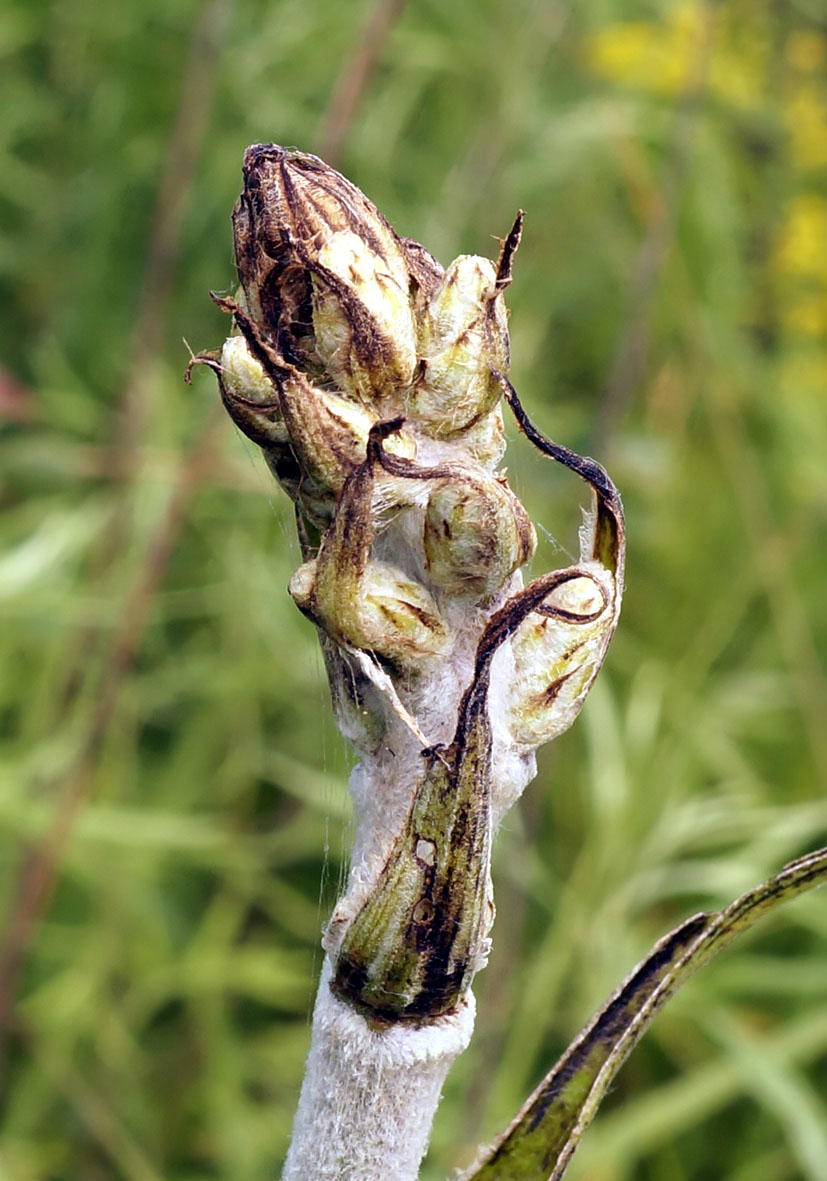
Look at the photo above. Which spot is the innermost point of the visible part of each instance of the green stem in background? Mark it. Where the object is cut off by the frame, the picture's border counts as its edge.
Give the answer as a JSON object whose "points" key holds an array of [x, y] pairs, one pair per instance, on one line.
{"points": [[540, 1141]]}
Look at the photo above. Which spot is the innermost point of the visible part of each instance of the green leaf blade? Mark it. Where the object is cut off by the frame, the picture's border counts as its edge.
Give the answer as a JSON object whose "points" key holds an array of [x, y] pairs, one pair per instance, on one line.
{"points": [[541, 1139]]}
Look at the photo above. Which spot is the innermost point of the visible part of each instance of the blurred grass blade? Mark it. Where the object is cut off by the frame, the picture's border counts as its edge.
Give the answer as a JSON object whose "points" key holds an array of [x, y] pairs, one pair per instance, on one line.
{"points": [[540, 1141]]}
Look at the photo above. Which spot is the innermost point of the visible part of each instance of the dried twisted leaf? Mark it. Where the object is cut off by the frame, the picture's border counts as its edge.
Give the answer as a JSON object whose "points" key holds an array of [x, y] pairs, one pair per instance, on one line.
{"points": [[560, 649], [360, 602]]}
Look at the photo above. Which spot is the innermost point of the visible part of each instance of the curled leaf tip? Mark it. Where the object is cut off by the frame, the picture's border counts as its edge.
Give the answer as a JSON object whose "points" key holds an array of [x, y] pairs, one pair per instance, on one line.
{"points": [[509, 249]]}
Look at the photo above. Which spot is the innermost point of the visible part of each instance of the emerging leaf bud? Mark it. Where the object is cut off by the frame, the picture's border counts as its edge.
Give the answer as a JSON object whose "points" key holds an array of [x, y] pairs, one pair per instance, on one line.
{"points": [[323, 272], [485, 440], [558, 655], [327, 434], [558, 651], [385, 612], [363, 320], [464, 336], [251, 398], [476, 534]]}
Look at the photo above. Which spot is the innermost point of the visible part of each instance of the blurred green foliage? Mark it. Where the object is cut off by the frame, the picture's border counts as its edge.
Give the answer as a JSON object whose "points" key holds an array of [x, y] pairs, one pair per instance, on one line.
{"points": [[173, 813]]}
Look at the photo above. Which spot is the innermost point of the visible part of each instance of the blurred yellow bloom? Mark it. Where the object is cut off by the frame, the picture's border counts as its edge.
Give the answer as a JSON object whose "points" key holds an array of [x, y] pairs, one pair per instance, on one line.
{"points": [[802, 246], [638, 54], [800, 263], [806, 314], [651, 56], [806, 118], [664, 58], [802, 376], [806, 52]]}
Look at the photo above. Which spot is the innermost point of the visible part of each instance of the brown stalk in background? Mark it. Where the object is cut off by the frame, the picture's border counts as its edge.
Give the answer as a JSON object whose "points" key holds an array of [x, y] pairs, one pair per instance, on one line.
{"points": [[354, 80]]}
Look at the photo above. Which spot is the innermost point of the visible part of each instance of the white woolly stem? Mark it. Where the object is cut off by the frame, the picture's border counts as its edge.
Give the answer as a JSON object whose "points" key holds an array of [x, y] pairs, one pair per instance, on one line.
{"points": [[369, 1096]]}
